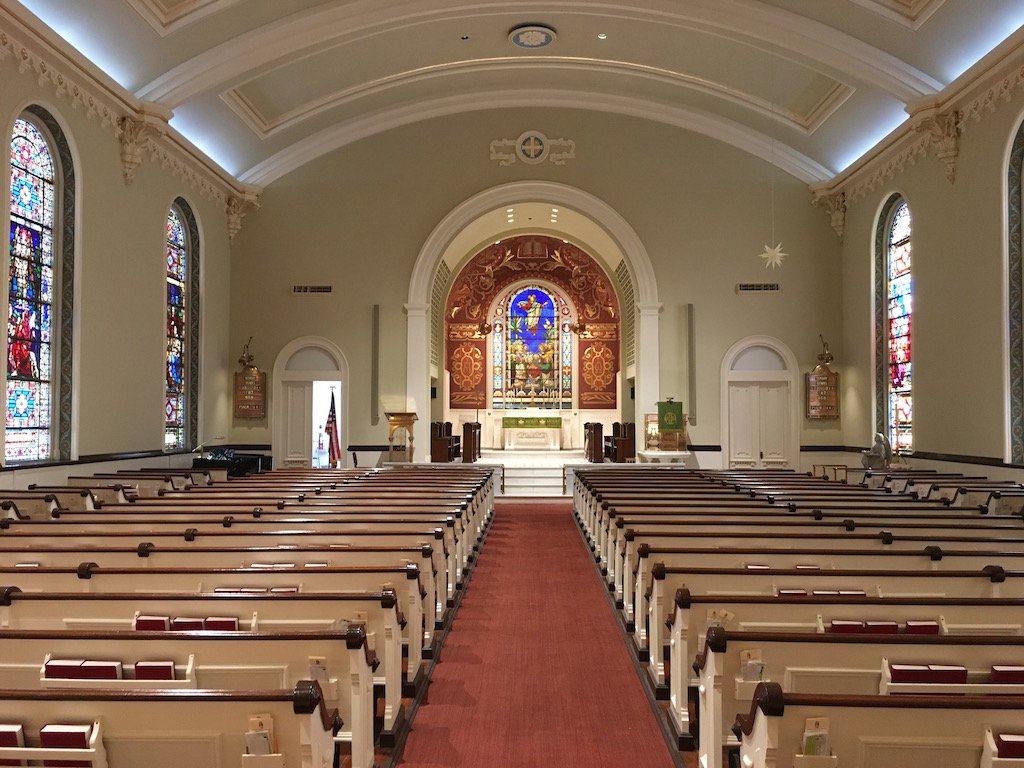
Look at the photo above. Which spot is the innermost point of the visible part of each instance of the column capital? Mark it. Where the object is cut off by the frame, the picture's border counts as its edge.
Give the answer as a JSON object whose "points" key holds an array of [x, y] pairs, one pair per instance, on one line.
{"points": [[416, 310], [650, 309]]}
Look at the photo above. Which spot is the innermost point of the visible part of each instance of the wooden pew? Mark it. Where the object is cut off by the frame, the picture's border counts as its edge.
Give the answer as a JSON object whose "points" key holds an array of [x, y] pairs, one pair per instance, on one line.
{"points": [[263, 612], [231, 661], [692, 614], [813, 663], [170, 729], [883, 731]]}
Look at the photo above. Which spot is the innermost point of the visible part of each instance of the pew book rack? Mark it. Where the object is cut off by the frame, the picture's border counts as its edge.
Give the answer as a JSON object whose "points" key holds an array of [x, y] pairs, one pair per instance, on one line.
{"points": [[95, 754]]}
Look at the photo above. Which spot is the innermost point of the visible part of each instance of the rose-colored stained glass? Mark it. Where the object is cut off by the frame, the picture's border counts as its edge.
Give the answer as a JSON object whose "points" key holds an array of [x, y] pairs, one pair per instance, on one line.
{"points": [[176, 250], [899, 295]]}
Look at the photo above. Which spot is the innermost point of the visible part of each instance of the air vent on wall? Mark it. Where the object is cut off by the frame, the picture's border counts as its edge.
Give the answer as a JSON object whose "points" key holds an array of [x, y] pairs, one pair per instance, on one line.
{"points": [[312, 288], [757, 287]]}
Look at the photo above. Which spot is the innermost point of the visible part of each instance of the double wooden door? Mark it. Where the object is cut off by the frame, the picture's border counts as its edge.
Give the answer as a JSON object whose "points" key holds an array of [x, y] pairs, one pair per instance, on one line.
{"points": [[759, 424]]}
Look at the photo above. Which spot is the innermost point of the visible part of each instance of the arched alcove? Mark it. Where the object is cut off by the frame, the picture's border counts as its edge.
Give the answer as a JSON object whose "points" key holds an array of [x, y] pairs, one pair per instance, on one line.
{"points": [[304, 372], [760, 405], [625, 248]]}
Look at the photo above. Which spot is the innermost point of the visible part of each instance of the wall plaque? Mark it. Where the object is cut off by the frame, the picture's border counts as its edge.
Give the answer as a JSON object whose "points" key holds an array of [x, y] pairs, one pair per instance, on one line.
{"points": [[822, 393], [250, 394]]}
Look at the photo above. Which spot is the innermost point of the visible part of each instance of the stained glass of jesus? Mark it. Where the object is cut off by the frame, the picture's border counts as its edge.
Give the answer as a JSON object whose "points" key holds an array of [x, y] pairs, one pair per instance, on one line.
{"points": [[174, 389], [30, 296], [532, 353]]}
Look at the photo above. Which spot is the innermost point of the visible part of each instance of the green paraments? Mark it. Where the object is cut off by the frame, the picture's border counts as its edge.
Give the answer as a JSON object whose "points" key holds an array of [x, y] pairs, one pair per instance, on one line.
{"points": [[531, 422]]}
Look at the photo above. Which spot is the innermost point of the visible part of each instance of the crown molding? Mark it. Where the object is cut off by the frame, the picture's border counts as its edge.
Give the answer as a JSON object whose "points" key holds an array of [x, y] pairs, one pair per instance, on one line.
{"points": [[937, 122], [141, 127], [166, 20], [910, 13]]}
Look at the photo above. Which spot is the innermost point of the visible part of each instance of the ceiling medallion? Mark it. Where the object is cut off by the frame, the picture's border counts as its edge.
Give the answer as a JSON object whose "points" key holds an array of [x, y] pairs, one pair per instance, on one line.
{"points": [[532, 147], [532, 36]]}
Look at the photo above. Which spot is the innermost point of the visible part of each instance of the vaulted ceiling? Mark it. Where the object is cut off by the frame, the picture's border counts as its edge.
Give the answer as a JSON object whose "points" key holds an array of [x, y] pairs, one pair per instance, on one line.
{"points": [[265, 86]]}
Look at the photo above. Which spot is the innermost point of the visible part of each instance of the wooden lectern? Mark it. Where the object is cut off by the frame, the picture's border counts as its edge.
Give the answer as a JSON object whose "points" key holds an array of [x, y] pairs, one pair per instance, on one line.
{"points": [[397, 421]]}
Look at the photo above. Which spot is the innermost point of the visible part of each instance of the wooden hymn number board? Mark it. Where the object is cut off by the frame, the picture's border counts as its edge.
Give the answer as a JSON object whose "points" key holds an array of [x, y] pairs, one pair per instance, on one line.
{"points": [[250, 394], [822, 393]]}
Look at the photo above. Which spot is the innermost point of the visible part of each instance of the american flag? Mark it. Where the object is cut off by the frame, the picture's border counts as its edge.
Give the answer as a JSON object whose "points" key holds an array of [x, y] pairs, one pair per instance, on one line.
{"points": [[331, 428]]}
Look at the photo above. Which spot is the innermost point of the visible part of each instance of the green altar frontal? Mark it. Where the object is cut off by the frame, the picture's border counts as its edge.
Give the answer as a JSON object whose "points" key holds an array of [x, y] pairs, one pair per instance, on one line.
{"points": [[531, 422]]}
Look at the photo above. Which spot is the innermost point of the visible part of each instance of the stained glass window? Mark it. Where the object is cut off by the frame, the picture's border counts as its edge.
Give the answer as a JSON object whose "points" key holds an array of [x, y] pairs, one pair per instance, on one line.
{"points": [[532, 352], [30, 311], [176, 355], [899, 316]]}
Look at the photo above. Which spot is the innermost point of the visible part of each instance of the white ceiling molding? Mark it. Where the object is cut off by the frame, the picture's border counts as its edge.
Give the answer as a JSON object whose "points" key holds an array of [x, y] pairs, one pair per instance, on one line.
{"points": [[312, 147], [52, 62], [167, 17], [806, 123], [910, 13], [979, 91], [219, 68]]}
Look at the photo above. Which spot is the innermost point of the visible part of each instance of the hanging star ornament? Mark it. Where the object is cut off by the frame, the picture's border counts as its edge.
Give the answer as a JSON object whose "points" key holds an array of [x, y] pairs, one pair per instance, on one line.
{"points": [[773, 256]]}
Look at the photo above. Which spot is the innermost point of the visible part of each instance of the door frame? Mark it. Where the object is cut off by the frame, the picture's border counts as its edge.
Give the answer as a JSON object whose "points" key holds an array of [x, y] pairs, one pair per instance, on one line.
{"points": [[791, 375], [282, 374]]}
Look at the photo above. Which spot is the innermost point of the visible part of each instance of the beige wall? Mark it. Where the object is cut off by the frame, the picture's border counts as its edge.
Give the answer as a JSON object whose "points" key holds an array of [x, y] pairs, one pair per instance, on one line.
{"points": [[120, 322], [959, 295], [358, 217]]}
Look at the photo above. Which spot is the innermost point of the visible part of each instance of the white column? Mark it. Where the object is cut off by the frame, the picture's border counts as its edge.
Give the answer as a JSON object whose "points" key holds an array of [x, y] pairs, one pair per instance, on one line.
{"points": [[648, 364], [417, 375]]}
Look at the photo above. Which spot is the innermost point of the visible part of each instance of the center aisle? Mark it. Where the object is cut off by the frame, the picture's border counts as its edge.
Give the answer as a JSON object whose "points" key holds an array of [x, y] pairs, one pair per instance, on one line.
{"points": [[535, 672]]}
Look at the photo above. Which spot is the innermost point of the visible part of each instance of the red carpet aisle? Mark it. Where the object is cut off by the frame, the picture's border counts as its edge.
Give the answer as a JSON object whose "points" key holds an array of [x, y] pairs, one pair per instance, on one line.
{"points": [[534, 672]]}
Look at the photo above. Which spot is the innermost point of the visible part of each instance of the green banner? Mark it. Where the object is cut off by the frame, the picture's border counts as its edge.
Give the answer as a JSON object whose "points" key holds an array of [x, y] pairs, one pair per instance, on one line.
{"points": [[670, 416], [531, 422]]}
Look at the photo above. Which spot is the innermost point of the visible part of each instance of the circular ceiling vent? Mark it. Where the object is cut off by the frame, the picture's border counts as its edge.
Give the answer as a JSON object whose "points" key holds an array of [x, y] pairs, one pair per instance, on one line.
{"points": [[532, 36]]}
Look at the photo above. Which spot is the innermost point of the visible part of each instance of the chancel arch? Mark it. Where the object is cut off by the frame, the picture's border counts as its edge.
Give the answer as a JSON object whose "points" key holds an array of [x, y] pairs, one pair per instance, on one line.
{"points": [[586, 221]]}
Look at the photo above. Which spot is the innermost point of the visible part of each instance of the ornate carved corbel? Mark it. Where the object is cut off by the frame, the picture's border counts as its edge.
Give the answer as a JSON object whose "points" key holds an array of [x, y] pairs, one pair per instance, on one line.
{"points": [[138, 135], [237, 208], [835, 206], [943, 132]]}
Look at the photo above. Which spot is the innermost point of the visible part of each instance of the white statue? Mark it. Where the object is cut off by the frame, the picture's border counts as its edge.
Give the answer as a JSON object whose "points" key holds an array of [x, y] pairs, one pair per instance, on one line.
{"points": [[880, 454]]}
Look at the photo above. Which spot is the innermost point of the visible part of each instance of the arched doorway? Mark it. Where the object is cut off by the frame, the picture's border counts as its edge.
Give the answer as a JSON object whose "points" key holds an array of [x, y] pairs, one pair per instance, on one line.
{"points": [[532, 329], [760, 405], [307, 372]]}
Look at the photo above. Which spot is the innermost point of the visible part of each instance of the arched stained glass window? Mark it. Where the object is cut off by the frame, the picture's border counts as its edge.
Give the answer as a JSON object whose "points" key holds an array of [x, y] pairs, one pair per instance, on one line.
{"points": [[532, 353], [177, 345], [899, 311], [30, 326], [1015, 297]]}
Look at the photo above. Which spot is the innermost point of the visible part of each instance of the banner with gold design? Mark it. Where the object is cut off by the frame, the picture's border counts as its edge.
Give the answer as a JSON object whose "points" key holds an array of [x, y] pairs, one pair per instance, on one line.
{"points": [[598, 362], [467, 365]]}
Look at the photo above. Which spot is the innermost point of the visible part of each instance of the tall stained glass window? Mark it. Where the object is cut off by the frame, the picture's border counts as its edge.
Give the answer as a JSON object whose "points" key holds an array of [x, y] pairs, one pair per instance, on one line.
{"points": [[30, 311], [177, 346], [900, 313], [532, 353]]}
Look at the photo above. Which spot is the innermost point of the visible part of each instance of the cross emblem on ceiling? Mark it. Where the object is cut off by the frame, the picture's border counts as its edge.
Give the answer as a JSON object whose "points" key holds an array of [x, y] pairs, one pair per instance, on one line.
{"points": [[533, 147]]}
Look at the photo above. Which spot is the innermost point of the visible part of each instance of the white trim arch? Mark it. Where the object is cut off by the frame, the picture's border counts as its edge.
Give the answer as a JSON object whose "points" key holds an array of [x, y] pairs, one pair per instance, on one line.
{"points": [[282, 374], [641, 272], [791, 375]]}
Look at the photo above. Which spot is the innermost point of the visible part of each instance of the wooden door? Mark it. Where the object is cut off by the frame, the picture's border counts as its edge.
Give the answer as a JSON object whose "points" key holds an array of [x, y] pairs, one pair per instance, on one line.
{"points": [[298, 424], [759, 419]]}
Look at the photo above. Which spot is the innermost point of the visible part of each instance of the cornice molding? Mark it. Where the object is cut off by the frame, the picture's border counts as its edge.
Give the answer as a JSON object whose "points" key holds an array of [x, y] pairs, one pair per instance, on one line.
{"points": [[937, 122], [910, 13], [142, 128], [166, 20]]}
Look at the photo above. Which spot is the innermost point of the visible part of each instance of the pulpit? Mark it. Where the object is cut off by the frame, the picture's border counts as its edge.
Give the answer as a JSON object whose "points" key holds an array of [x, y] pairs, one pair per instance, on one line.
{"points": [[397, 421]]}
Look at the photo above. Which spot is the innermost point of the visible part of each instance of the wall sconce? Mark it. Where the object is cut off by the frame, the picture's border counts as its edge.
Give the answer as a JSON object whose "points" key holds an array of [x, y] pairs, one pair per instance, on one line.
{"points": [[484, 329], [580, 329]]}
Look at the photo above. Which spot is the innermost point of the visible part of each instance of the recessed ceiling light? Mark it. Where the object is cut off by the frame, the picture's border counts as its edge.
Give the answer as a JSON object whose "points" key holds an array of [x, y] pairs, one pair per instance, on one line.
{"points": [[509, 210], [554, 210], [532, 36], [465, 37], [600, 36]]}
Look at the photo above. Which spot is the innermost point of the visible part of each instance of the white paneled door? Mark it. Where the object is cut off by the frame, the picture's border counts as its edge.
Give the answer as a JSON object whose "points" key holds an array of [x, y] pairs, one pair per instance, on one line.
{"points": [[298, 423], [759, 424]]}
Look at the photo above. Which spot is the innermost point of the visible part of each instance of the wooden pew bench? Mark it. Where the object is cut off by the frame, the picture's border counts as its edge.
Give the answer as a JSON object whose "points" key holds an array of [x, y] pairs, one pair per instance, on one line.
{"points": [[171, 729], [264, 612], [413, 602], [693, 614], [880, 731], [813, 663], [232, 661]]}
